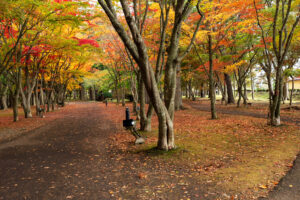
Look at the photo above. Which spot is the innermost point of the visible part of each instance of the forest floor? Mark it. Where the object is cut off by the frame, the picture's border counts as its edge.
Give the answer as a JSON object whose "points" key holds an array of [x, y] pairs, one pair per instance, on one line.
{"points": [[82, 152]]}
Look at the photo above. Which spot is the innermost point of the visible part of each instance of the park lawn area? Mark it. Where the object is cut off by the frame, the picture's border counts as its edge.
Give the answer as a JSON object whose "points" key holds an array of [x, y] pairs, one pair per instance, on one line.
{"points": [[238, 155]]}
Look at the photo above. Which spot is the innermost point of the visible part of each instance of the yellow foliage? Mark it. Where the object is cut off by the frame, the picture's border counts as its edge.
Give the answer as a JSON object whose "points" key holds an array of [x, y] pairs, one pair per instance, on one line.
{"points": [[231, 68]]}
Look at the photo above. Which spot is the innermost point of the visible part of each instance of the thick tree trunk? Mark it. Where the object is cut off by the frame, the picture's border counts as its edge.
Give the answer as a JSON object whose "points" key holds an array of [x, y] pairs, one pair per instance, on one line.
{"points": [[26, 93], [230, 95], [212, 92], [276, 99], [53, 100], [92, 93], [82, 93], [4, 98], [117, 95], [15, 106]]}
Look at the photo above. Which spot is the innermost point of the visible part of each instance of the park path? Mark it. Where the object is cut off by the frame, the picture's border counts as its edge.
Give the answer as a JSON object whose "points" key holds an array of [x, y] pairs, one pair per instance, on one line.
{"points": [[72, 158]]}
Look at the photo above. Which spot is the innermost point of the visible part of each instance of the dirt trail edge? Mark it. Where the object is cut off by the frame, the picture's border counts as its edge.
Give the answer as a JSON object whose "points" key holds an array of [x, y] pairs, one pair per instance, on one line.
{"points": [[72, 158], [289, 186]]}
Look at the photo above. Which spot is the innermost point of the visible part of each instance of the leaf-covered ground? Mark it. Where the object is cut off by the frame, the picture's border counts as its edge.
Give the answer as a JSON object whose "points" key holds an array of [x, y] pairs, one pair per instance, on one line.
{"points": [[86, 154], [237, 155]]}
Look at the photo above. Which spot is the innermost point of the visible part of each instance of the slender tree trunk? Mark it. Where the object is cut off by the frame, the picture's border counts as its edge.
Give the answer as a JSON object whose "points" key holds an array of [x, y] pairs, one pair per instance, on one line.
{"points": [[37, 105], [252, 87], [292, 92], [240, 91], [48, 100], [178, 95], [186, 92], [16, 95], [74, 94], [123, 96], [53, 100], [135, 95], [42, 96], [202, 92], [285, 91], [144, 122], [245, 98], [211, 80]]}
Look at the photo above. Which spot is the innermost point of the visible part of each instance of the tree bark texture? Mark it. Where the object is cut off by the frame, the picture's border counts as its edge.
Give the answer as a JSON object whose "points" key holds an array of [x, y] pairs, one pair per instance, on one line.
{"points": [[230, 95], [212, 91]]}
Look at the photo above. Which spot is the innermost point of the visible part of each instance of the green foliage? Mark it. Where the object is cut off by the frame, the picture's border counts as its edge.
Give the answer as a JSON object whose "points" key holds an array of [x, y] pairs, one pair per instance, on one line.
{"points": [[107, 94], [99, 66]]}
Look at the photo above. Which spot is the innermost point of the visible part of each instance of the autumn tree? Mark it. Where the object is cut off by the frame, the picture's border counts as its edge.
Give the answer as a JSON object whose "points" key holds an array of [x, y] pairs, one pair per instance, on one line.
{"points": [[135, 44], [277, 21]]}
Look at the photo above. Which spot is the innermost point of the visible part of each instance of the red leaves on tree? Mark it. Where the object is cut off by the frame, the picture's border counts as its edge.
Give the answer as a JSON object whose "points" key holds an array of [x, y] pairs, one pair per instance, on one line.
{"points": [[61, 1], [86, 42]]}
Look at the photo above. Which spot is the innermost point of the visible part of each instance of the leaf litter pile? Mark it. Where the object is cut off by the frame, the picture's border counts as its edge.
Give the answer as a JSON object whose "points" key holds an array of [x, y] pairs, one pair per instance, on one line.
{"points": [[234, 157]]}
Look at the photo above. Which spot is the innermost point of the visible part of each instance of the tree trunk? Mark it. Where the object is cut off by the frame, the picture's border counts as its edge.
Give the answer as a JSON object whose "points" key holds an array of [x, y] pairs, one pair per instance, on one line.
{"points": [[53, 100], [74, 94], [212, 92], [178, 95], [240, 96], [144, 121], [123, 96], [82, 93], [292, 92], [230, 96], [285, 91], [4, 98], [245, 98], [135, 96], [26, 93], [16, 95], [37, 105], [276, 99], [252, 87]]}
